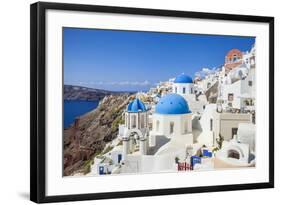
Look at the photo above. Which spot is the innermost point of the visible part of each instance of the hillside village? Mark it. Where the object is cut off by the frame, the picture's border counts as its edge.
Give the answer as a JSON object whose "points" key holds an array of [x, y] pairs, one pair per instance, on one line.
{"points": [[186, 124]]}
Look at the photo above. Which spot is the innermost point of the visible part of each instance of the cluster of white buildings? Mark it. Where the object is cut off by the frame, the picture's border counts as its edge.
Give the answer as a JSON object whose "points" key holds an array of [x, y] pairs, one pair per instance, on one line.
{"points": [[186, 124]]}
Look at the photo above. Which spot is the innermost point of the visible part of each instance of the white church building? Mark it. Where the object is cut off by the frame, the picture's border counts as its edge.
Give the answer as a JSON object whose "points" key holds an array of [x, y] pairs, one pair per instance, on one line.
{"points": [[158, 149], [183, 85]]}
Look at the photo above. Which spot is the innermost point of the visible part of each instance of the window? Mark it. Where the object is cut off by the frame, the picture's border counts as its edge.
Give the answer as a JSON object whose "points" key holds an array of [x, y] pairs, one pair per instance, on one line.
{"points": [[234, 131], [191, 90], [157, 125], [142, 121], [211, 124], [134, 121], [230, 96], [185, 127], [233, 154], [171, 127], [234, 58], [176, 90], [250, 83], [183, 90]]}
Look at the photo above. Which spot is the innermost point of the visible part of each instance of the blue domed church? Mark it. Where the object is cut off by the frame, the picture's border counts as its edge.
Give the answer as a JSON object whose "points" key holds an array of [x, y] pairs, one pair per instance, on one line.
{"points": [[147, 149], [136, 128], [173, 118], [183, 85]]}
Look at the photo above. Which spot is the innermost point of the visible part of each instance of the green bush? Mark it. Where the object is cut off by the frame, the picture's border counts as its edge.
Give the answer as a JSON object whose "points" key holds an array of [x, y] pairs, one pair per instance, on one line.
{"points": [[87, 166], [107, 149], [118, 120]]}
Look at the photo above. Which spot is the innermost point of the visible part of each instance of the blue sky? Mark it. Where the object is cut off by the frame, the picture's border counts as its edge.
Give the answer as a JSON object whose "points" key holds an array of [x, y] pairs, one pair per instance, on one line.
{"points": [[136, 61]]}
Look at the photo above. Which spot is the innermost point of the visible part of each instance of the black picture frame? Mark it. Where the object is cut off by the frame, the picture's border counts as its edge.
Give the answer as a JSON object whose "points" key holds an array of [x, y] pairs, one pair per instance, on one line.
{"points": [[38, 103]]}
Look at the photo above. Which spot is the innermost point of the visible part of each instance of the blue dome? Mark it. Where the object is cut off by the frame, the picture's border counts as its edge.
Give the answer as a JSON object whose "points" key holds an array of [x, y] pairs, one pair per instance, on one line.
{"points": [[182, 78], [172, 104], [136, 106]]}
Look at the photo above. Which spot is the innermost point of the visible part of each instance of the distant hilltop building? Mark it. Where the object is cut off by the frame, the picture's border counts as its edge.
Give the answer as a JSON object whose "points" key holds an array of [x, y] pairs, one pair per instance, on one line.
{"points": [[233, 59]]}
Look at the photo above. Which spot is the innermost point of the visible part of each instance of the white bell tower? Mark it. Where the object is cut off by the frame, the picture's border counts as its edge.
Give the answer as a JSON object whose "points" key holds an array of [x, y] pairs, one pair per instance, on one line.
{"points": [[136, 128]]}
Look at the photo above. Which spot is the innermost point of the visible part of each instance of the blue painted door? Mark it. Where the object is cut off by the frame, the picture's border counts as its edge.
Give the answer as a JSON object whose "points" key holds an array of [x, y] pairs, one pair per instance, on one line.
{"points": [[119, 157]]}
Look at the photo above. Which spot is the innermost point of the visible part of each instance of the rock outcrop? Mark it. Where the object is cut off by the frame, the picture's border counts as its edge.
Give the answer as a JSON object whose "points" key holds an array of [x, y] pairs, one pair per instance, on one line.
{"points": [[89, 134], [73, 92]]}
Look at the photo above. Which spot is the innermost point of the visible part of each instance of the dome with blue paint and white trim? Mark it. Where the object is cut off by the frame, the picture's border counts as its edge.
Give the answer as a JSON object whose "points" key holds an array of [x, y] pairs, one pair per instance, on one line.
{"points": [[172, 104], [183, 78], [136, 106]]}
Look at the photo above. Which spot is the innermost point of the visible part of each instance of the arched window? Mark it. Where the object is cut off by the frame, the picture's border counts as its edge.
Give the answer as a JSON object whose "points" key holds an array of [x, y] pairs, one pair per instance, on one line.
{"points": [[233, 154], [185, 126], [176, 90], [142, 121], [183, 90], [134, 121], [172, 127], [157, 125], [234, 58]]}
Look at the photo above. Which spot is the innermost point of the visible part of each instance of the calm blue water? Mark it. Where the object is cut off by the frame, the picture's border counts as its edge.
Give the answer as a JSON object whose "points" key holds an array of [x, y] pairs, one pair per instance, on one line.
{"points": [[75, 108]]}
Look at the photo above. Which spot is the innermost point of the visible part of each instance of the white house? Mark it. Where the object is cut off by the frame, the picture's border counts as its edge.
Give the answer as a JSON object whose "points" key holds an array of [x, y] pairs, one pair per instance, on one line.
{"points": [[238, 93]]}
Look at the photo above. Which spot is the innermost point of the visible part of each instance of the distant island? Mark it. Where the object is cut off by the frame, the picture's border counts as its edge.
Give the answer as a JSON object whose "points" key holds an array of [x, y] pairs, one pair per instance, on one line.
{"points": [[74, 92]]}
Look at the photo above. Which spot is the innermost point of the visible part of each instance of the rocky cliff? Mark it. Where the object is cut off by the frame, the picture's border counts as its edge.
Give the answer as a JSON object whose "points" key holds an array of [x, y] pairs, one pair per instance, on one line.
{"points": [[73, 92], [89, 134]]}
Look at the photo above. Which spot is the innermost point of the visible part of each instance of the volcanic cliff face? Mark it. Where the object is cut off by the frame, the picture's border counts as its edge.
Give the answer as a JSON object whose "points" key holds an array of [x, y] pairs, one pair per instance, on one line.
{"points": [[73, 92], [89, 134]]}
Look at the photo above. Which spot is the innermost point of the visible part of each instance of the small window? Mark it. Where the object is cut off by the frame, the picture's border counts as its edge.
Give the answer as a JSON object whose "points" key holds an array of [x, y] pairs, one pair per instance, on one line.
{"points": [[185, 127], [250, 83], [211, 124], [134, 121], [171, 127], [142, 121], [176, 90], [234, 58], [233, 154], [234, 131], [230, 97], [157, 125], [183, 90]]}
